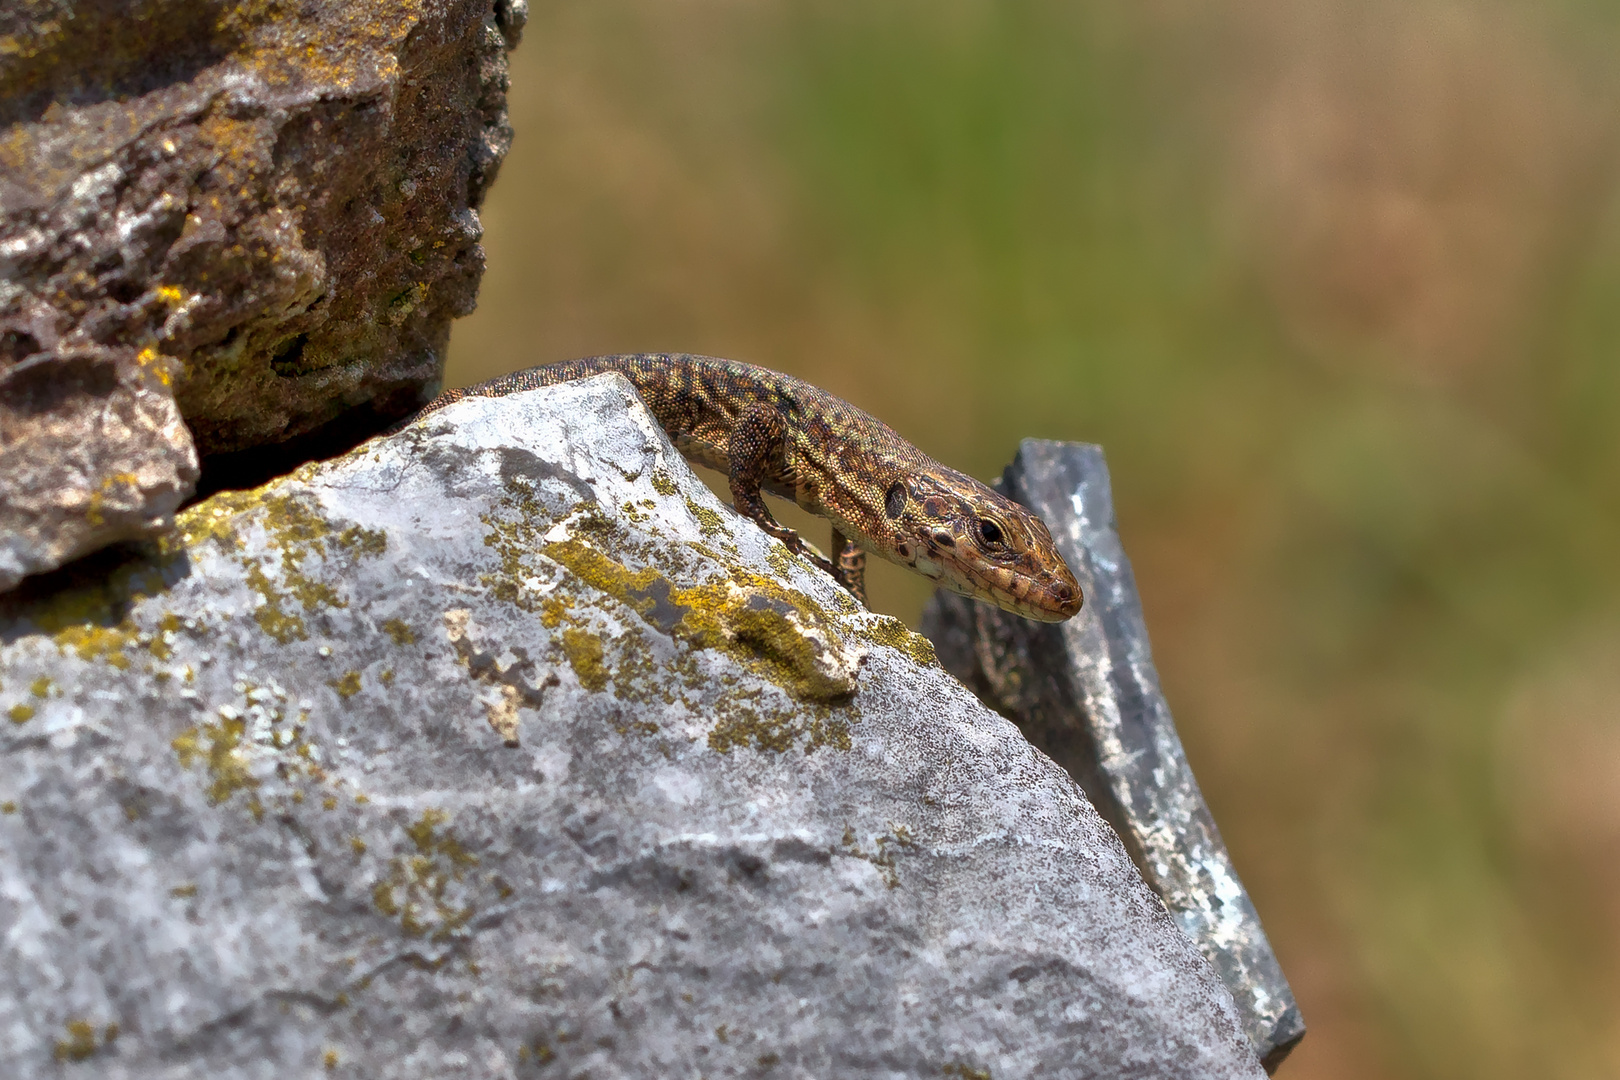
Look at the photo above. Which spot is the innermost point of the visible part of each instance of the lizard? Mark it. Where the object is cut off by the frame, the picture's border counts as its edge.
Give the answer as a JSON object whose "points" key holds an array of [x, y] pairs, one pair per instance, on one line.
{"points": [[766, 431]]}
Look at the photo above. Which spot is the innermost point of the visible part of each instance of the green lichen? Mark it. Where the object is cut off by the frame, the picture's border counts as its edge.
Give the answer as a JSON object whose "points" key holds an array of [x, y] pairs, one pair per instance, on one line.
{"points": [[41, 687], [348, 685]]}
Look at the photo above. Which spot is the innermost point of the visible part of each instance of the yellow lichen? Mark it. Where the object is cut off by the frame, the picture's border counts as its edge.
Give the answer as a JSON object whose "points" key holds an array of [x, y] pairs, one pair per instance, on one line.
{"points": [[348, 685], [400, 631], [93, 642], [41, 687], [584, 652], [709, 522], [417, 888], [220, 746], [21, 714], [553, 609], [778, 559], [890, 631], [663, 483], [755, 620], [158, 644], [295, 530], [82, 1040]]}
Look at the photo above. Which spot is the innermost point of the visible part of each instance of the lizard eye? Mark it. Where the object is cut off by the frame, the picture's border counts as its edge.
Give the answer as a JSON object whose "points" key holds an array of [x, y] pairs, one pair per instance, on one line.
{"points": [[989, 532], [894, 500]]}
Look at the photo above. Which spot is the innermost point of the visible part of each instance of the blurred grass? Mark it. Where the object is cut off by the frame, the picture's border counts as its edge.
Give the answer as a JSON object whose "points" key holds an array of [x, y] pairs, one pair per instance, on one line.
{"points": [[1335, 285]]}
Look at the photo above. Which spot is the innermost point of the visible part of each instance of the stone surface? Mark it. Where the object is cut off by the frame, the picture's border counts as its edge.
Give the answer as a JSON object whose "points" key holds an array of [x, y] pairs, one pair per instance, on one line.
{"points": [[254, 215], [1086, 692], [502, 748]]}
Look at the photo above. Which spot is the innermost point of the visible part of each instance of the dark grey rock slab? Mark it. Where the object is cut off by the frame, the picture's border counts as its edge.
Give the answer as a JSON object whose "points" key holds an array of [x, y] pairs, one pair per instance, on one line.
{"points": [[1087, 694], [224, 225], [501, 748]]}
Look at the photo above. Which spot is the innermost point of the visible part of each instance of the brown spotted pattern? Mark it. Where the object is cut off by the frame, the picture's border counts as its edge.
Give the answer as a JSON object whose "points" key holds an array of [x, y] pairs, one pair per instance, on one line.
{"points": [[768, 431]]}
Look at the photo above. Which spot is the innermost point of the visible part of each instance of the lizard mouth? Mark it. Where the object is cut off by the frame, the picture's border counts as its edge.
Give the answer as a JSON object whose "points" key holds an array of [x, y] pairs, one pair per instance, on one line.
{"points": [[1042, 599]]}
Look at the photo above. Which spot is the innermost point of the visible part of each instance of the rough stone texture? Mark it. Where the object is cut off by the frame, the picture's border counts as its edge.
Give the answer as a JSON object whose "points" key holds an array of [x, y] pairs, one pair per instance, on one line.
{"points": [[502, 748], [254, 215], [1086, 692]]}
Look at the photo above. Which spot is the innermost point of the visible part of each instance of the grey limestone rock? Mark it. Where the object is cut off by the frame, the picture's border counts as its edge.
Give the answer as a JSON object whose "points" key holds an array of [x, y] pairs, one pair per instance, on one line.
{"points": [[1086, 692], [502, 748], [251, 215]]}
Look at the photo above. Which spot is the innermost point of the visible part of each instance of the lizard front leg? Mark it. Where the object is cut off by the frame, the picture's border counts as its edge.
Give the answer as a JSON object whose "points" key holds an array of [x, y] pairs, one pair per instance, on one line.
{"points": [[851, 571], [758, 441]]}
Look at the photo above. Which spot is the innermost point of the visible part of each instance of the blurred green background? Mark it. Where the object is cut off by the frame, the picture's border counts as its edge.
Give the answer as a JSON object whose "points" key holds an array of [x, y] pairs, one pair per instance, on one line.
{"points": [[1336, 283]]}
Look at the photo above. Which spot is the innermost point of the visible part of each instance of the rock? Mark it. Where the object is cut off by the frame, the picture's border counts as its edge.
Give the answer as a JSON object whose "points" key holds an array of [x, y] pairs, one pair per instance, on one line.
{"points": [[1086, 692], [502, 746], [253, 216]]}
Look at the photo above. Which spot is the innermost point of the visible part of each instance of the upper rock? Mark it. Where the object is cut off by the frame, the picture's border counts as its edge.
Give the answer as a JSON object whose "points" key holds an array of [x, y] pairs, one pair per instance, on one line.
{"points": [[503, 746], [249, 216]]}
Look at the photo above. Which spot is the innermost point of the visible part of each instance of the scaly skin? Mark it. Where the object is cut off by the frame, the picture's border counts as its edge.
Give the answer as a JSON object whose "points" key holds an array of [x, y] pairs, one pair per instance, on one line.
{"points": [[772, 432]]}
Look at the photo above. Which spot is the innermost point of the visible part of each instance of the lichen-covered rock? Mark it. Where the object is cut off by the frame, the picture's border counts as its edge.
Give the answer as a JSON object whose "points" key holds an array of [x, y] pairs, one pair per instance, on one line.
{"points": [[501, 747], [255, 215]]}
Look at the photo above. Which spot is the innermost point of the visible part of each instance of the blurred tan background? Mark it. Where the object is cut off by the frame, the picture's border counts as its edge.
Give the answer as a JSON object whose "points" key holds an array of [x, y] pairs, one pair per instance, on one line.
{"points": [[1336, 283]]}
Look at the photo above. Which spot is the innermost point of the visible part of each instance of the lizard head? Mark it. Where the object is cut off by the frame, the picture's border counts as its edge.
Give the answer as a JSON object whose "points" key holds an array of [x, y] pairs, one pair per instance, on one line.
{"points": [[979, 543]]}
